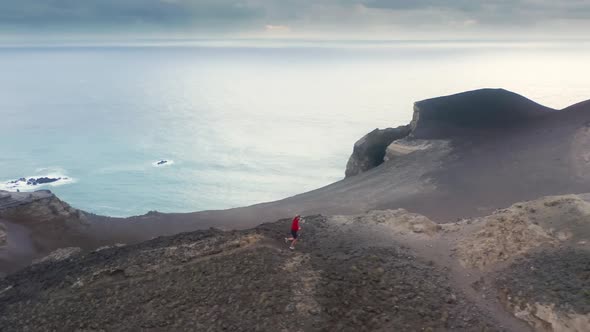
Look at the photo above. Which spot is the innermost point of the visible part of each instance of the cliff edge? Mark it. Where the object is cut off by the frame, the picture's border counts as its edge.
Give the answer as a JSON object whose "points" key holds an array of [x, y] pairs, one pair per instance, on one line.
{"points": [[34, 224], [478, 112], [473, 112]]}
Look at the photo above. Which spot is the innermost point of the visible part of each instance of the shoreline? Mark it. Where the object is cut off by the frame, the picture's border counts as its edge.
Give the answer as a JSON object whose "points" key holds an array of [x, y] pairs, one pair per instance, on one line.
{"points": [[429, 236], [449, 169]]}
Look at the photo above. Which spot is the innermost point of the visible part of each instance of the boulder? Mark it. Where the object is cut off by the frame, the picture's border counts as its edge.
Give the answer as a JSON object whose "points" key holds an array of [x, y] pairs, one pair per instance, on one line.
{"points": [[369, 151]]}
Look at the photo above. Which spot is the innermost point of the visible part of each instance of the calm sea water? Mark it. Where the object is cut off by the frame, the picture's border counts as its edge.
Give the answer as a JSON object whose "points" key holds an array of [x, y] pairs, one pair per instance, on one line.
{"points": [[242, 122]]}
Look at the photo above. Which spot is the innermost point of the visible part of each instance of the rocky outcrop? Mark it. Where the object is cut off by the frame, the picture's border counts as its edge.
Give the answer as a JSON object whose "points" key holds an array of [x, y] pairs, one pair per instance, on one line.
{"points": [[37, 207], [444, 118], [59, 255], [10, 200], [398, 221], [44, 221], [512, 232], [473, 111], [369, 151], [36, 181], [402, 147]]}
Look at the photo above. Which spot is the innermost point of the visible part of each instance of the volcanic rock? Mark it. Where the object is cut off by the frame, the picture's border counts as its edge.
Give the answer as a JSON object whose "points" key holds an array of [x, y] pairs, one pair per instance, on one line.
{"points": [[473, 111], [369, 151]]}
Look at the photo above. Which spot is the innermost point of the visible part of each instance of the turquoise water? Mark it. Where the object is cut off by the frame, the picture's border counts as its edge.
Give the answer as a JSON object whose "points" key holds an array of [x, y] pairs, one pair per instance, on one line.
{"points": [[242, 123]]}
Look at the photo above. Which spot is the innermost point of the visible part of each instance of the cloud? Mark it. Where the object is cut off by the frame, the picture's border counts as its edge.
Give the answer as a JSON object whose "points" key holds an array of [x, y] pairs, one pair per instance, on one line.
{"points": [[105, 13], [493, 11], [469, 22], [277, 28], [306, 17]]}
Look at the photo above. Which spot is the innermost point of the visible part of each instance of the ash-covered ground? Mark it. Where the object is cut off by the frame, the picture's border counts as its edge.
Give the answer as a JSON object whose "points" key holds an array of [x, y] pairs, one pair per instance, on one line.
{"points": [[241, 281]]}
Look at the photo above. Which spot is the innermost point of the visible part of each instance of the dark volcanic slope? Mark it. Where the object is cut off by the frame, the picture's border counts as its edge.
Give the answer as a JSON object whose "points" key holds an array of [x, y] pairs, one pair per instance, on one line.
{"points": [[241, 281], [520, 151], [471, 111], [560, 276]]}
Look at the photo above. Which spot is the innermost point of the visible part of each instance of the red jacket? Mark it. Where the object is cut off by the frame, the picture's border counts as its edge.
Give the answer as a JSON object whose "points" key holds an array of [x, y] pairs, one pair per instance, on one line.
{"points": [[295, 224]]}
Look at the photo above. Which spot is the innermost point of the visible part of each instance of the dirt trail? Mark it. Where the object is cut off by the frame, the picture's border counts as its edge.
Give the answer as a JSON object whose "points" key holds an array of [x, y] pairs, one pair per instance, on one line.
{"points": [[437, 247], [378, 249], [526, 266]]}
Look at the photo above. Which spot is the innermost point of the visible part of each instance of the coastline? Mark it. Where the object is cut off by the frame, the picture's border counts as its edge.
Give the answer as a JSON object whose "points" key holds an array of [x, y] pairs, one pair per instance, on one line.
{"points": [[463, 222], [466, 170]]}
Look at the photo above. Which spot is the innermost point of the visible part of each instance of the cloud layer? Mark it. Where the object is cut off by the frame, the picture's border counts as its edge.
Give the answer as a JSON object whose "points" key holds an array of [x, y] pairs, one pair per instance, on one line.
{"points": [[320, 18]]}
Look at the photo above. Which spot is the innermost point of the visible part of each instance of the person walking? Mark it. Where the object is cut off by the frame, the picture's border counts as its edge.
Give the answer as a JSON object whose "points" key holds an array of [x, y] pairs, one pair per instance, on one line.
{"points": [[295, 228]]}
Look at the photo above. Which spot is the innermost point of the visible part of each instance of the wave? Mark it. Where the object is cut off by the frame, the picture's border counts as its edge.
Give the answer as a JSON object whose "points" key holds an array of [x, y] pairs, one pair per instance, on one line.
{"points": [[31, 183]]}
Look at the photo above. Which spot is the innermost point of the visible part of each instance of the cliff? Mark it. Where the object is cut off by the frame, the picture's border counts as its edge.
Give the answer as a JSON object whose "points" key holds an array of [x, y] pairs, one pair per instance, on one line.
{"points": [[369, 151], [478, 112], [35, 224], [475, 111]]}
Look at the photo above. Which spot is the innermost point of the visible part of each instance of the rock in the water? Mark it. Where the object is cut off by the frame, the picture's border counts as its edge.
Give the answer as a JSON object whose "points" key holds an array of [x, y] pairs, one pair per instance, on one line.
{"points": [[37, 181], [369, 151], [44, 180], [162, 162], [17, 181]]}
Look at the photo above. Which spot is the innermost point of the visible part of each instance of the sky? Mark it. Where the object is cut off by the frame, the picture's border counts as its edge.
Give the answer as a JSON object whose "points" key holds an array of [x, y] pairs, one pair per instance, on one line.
{"points": [[314, 19]]}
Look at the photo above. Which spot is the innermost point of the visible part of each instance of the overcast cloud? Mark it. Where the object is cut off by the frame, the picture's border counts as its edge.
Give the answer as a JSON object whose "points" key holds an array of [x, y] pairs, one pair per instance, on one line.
{"points": [[301, 18]]}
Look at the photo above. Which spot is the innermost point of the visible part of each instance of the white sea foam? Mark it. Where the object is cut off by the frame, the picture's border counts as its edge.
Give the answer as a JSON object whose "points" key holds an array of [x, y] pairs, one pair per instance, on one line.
{"points": [[168, 162], [14, 184]]}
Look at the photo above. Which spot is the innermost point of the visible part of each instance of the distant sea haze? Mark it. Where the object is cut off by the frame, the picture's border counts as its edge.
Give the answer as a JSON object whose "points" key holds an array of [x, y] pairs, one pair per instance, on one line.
{"points": [[239, 123]]}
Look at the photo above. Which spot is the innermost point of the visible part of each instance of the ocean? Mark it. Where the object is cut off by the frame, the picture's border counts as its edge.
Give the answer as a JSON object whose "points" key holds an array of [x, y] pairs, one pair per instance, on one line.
{"points": [[238, 122]]}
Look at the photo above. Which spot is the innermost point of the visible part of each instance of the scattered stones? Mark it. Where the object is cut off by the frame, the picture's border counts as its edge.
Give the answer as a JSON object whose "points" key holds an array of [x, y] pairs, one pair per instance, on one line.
{"points": [[347, 272], [241, 280], [555, 297], [510, 233], [59, 255], [400, 221]]}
